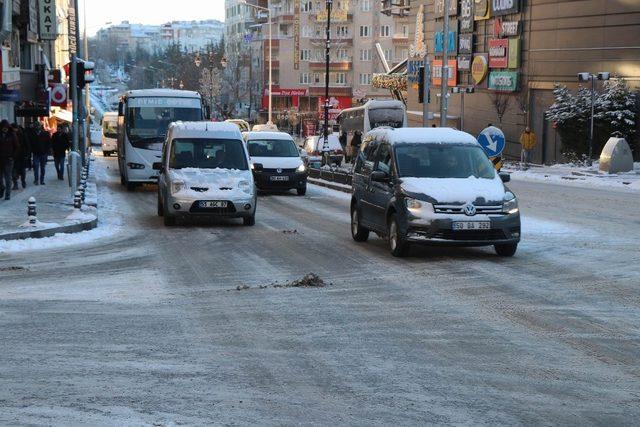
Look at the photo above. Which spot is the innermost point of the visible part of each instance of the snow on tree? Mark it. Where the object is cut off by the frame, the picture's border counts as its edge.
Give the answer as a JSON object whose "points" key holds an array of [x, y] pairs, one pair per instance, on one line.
{"points": [[616, 108]]}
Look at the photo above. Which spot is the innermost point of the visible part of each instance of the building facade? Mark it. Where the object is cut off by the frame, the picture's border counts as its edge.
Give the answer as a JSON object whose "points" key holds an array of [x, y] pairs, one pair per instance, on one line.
{"points": [[513, 52]]}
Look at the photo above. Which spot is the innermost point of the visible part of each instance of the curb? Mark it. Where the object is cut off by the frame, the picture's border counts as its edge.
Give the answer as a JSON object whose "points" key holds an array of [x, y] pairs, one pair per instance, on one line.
{"points": [[329, 185], [50, 232]]}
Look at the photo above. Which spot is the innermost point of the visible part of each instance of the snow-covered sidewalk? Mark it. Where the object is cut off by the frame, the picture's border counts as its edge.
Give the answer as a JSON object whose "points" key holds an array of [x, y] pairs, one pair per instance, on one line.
{"points": [[571, 174]]}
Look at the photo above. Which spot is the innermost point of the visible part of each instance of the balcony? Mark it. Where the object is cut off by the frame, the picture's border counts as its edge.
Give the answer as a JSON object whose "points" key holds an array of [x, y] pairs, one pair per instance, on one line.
{"points": [[333, 91], [334, 65], [335, 41], [401, 38]]}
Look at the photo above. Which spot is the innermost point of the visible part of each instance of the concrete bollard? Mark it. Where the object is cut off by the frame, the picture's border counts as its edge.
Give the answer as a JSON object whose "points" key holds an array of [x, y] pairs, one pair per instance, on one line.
{"points": [[31, 211], [77, 200]]}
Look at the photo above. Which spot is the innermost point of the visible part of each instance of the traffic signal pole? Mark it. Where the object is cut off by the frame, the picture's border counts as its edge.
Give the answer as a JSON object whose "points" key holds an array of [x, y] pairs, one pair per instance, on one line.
{"points": [[75, 127], [78, 104]]}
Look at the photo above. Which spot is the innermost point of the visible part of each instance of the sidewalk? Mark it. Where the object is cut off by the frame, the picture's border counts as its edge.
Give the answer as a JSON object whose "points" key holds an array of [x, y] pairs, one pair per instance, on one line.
{"points": [[53, 201]]}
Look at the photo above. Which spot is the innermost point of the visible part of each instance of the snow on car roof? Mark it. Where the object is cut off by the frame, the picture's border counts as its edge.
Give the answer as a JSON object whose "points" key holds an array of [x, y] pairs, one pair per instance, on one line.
{"points": [[268, 135], [423, 135], [197, 129]]}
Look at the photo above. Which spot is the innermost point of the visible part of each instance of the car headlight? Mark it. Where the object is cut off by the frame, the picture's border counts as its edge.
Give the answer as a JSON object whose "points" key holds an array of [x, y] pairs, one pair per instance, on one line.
{"points": [[413, 203], [245, 186], [301, 169], [510, 204], [419, 208], [177, 186]]}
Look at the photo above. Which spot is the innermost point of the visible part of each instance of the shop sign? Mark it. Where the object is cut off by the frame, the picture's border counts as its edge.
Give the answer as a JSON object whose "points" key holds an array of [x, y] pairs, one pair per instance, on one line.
{"points": [[464, 62], [465, 43], [286, 92], [58, 95], [413, 70], [439, 43], [479, 68], [71, 17], [514, 53], [504, 7], [505, 29], [8, 95], [437, 72], [296, 36], [439, 8], [504, 81], [481, 10], [498, 53], [466, 16], [48, 20]]}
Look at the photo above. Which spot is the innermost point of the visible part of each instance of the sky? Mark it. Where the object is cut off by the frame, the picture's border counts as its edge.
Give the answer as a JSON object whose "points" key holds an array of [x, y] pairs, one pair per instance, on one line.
{"points": [[99, 12]]}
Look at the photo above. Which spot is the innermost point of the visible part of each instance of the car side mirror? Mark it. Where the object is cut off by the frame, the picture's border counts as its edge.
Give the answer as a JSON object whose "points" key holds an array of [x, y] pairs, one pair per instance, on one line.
{"points": [[379, 176], [257, 167], [157, 166], [505, 177]]}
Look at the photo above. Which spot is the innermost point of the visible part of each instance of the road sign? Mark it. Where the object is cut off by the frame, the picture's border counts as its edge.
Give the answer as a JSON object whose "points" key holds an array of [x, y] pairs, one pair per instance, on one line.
{"points": [[492, 140], [58, 94]]}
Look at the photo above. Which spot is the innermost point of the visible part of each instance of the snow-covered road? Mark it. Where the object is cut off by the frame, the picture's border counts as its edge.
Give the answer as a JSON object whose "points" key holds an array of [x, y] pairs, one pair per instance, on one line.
{"points": [[140, 324]]}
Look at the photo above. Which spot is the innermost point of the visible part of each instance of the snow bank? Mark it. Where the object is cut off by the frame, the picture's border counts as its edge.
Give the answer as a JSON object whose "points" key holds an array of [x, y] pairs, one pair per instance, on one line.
{"points": [[60, 240], [457, 190]]}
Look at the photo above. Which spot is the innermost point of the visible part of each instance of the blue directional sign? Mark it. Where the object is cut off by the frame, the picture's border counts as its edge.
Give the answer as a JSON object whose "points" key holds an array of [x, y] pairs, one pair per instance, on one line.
{"points": [[492, 140]]}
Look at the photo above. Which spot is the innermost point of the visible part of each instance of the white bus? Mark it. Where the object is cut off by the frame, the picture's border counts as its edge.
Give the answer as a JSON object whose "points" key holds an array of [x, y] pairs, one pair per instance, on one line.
{"points": [[143, 119], [357, 121]]}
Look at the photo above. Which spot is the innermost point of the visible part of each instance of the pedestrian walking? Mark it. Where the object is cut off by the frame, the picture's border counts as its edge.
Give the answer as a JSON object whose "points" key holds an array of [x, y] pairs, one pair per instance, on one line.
{"points": [[60, 143], [40, 148], [8, 149], [22, 159], [528, 143]]}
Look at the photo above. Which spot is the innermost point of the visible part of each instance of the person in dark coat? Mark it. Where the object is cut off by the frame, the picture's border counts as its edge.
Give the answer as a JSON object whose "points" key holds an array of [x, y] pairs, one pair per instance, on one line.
{"points": [[8, 150], [60, 143], [40, 148], [23, 158]]}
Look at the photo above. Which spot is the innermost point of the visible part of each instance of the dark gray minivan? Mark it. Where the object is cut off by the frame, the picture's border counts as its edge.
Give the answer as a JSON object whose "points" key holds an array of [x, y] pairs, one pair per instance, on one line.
{"points": [[432, 186]]}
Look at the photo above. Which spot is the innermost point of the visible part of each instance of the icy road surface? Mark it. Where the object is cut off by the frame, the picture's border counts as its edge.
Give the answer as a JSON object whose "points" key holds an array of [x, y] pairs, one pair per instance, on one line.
{"points": [[140, 324]]}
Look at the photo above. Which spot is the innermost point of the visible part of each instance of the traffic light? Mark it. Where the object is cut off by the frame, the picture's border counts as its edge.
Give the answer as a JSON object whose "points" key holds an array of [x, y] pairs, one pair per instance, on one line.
{"points": [[421, 81], [85, 72]]}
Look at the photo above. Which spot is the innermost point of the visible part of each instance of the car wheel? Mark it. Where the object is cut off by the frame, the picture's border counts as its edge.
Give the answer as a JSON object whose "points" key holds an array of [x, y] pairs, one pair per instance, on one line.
{"points": [[302, 191], [249, 221], [398, 244], [358, 232], [507, 250]]}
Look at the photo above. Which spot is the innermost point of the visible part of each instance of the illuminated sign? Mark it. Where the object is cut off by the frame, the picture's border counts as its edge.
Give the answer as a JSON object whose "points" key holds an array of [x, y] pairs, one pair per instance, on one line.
{"points": [[466, 16], [498, 53], [439, 43], [514, 53], [437, 72], [504, 7], [504, 81], [465, 43], [439, 8], [481, 10], [479, 68], [464, 62]]}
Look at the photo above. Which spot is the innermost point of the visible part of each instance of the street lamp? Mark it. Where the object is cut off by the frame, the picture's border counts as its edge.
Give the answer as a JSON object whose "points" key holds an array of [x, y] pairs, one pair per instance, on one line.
{"points": [[325, 148], [268, 11], [586, 77], [462, 90]]}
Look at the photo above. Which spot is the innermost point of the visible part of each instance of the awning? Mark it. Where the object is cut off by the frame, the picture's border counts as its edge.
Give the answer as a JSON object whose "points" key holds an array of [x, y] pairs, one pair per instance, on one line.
{"points": [[64, 116]]}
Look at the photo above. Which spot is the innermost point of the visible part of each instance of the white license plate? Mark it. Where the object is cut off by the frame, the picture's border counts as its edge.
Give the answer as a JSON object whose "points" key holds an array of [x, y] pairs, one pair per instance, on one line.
{"points": [[212, 204], [279, 178], [472, 225]]}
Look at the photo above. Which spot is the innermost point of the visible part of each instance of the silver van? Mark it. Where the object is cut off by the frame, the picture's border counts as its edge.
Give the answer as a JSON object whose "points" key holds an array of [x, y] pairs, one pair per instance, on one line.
{"points": [[205, 172]]}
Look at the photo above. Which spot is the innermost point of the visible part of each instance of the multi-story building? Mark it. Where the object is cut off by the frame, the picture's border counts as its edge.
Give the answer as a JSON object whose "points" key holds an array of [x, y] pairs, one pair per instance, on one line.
{"points": [[298, 50], [513, 53]]}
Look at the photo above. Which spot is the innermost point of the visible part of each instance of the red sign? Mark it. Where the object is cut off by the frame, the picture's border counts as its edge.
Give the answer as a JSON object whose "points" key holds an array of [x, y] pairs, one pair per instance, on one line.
{"points": [[337, 103], [58, 95], [309, 127], [286, 92], [437, 72], [498, 53]]}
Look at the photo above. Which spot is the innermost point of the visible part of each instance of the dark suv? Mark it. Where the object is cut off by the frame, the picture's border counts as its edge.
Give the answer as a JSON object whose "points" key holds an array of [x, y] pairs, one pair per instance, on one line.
{"points": [[431, 186]]}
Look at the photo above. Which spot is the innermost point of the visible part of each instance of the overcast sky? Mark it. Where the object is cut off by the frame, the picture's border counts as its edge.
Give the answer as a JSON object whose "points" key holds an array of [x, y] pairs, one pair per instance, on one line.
{"points": [[99, 12]]}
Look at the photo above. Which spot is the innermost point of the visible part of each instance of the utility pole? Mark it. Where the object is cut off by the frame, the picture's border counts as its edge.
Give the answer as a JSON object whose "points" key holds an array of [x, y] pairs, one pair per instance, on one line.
{"points": [[444, 100], [81, 131], [87, 90], [327, 105]]}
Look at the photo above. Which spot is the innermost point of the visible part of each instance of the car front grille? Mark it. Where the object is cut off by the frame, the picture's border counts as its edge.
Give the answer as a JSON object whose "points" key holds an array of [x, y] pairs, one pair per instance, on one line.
{"points": [[463, 235], [459, 209]]}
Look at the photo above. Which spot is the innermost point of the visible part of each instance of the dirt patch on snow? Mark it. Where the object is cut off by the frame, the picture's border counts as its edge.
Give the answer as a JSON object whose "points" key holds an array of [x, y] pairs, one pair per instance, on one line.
{"points": [[311, 280], [12, 269]]}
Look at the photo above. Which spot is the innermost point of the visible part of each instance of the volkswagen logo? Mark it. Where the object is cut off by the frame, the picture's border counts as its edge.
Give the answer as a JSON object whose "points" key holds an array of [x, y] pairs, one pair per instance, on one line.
{"points": [[469, 210], [279, 170]]}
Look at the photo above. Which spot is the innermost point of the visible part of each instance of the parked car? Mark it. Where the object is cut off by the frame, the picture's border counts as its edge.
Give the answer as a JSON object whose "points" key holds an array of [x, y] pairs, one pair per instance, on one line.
{"points": [[276, 160], [431, 186], [205, 171], [314, 145]]}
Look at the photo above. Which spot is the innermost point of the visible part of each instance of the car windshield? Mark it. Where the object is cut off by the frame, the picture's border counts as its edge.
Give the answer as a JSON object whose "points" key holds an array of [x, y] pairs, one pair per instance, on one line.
{"points": [[443, 161], [202, 153], [272, 148]]}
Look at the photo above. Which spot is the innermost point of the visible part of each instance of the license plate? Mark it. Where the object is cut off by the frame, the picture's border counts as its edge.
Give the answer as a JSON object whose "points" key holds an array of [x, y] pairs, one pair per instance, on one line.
{"points": [[280, 178], [472, 225], [212, 204]]}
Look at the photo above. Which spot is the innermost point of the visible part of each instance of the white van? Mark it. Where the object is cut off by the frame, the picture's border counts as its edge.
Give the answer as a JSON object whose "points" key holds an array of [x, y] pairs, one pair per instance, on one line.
{"points": [[277, 163], [109, 133], [205, 171]]}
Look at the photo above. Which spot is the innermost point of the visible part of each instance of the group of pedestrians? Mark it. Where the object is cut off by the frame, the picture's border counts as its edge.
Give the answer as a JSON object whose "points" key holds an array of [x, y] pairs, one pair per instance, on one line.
{"points": [[29, 149]]}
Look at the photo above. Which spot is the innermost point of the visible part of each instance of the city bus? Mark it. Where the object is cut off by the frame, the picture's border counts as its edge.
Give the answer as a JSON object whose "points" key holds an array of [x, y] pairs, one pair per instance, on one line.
{"points": [[143, 119], [357, 121]]}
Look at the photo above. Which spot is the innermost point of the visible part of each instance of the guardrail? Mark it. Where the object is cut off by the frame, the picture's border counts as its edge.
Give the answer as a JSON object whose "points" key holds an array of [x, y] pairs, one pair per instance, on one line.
{"points": [[331, 176]]}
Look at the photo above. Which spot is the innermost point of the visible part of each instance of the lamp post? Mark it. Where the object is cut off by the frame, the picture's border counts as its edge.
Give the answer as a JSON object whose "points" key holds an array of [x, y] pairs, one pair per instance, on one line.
{"points": [[325, 148], [462, 91], [586, 77], [268, 11]]}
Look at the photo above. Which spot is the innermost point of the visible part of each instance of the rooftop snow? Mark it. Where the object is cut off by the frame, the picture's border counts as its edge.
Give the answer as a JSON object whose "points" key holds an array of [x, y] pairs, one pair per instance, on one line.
{"points": [[424, 135]]}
